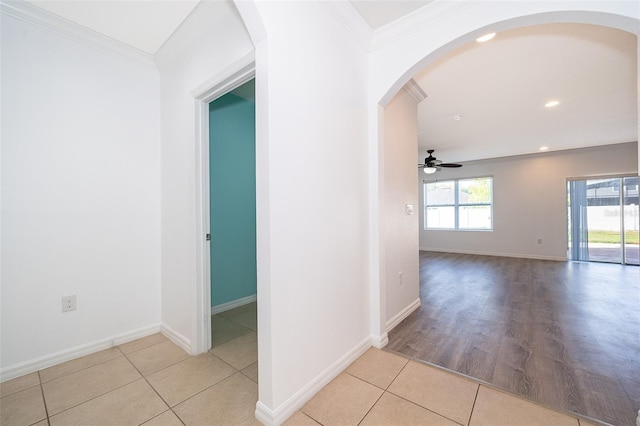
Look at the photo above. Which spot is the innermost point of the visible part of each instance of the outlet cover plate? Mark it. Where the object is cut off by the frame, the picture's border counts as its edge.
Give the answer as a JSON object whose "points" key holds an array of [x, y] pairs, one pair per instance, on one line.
{"points": [[69, 303]]}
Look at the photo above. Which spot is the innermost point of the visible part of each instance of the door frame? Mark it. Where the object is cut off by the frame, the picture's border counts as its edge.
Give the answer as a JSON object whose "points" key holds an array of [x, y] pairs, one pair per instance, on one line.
{"points": [[216, 86]]}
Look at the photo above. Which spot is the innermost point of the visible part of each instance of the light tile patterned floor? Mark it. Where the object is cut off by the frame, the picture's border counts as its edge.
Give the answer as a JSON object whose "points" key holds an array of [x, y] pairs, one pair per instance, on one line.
{"points": [[382, 388], [151, 381]]}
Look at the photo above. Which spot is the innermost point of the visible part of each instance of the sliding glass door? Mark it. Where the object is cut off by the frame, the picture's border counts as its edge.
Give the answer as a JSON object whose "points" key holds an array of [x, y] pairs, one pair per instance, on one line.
{"points": [[631, 221], [603, 220]]}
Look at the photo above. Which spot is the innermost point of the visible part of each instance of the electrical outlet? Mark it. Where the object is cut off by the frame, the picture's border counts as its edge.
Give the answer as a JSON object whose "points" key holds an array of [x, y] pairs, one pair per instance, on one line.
{"points": [[399, 278], [69, 303]]}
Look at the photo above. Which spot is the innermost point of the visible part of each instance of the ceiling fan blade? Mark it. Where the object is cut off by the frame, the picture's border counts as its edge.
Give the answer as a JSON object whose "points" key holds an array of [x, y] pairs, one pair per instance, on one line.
{"points": [[422, 166], [450, 165]]}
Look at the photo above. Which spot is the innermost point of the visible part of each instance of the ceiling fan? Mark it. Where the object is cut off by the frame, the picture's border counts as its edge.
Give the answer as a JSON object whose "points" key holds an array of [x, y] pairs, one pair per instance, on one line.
{"points": [[432, 164]]}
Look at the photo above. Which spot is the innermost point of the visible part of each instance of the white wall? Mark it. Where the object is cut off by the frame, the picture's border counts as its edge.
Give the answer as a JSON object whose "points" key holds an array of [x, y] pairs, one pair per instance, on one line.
{"points": [[312, 203], [529, 200], [212, 38], [312, 82], [80, 197], [400, 178]]}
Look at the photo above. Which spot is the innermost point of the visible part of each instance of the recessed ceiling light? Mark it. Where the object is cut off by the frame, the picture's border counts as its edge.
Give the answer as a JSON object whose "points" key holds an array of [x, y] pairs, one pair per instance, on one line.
{"points": [[551, 104], [485, 37], [544, 148]]}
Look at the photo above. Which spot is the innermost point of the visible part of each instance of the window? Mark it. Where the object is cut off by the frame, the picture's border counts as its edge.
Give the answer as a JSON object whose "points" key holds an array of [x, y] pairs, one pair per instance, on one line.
{"points": [[459, 204]]}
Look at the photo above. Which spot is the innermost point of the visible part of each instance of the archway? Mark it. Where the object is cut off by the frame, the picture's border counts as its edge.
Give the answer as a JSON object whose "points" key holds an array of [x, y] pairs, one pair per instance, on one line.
{"points": [[397, 61], [603, 18]]}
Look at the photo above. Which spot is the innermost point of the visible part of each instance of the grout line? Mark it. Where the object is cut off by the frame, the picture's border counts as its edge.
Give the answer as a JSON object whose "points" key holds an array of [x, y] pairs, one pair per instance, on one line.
{"points": [[421, 406], [142, 376], [145, 379], [246, 375], [235, 322], [110, 390], [205, 389], [239, 371], [474, 404], [249, 333], [142, 348], [21, 390], [415, 403], [44, 401], [158, 415], [396, 376], [364, 380], [97, 396], [409, 401], [310, 416], [81, 369], [369, 410], [170, 408], [178, 417]]}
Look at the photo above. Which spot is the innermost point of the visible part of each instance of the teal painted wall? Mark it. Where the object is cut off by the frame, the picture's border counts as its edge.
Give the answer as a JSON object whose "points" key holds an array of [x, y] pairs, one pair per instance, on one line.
{"points": [[232, 174]]}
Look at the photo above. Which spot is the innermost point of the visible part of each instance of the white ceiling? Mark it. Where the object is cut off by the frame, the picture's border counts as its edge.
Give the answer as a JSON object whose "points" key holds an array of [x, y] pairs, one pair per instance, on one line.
{"points": [[142, 24], [499, 87], [147, 24], [378, 13]]}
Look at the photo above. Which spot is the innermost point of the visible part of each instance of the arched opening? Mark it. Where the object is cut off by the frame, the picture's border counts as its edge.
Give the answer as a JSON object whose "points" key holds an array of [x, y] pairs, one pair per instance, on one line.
{"points": [[387, 267]]}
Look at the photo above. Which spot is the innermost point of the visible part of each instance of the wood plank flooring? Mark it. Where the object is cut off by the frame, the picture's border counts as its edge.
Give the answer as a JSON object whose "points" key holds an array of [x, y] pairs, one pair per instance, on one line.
{"points": [[564, 334]]}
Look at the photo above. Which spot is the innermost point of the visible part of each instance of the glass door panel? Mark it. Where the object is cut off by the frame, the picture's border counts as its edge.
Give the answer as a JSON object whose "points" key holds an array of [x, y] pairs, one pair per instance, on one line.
{"points": [[604, 224], [604, 220], [631, 221]]}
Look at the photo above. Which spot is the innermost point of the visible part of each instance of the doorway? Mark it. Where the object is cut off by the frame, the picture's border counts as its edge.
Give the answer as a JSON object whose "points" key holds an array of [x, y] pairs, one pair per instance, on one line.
{"points": [[232, 208], [604, 220]]}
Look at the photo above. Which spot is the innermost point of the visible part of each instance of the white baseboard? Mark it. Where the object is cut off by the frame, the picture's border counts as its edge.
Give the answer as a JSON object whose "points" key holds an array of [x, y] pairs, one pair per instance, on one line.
{"points": [[177, 338], [283, 412], [26, 367], [397, 318], [379, 341], [489, 253], [233, 304]]}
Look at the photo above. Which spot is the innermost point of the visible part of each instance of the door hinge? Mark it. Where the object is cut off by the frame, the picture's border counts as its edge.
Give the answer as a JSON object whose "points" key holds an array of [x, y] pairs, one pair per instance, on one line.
{"points": [[208, 237]]}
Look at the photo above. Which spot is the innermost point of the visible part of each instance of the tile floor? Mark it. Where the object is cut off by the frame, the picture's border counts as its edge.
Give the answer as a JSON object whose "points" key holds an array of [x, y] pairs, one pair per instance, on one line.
{"points": [[148, 381], [382, 388], [151, 381]]}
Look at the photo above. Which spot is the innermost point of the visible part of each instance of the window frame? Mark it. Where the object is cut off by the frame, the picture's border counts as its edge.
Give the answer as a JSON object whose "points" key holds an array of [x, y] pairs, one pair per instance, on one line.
{"points": [[457, 205]]}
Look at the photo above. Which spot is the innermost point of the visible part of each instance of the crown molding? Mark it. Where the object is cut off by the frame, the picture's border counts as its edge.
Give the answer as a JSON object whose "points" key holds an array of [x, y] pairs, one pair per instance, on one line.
{"points": [[417, 20], [348, 16], [415, 90], [34, 15]]}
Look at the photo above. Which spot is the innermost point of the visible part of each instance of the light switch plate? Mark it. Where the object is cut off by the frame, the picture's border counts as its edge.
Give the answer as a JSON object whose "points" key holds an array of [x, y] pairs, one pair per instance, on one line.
{"points": [[408, 209]]}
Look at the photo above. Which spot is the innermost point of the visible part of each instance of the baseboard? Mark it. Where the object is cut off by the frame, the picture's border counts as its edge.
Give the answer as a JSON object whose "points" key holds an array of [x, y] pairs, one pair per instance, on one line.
{"points": [[177, 338], [233, 304], [397, 318], [489, 253], [26, 367], [283, 412], [379, 341]]}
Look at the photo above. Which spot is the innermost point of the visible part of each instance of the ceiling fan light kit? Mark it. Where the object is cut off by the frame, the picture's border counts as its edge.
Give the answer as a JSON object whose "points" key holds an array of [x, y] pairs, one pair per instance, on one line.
{"points": [[432, 164]]}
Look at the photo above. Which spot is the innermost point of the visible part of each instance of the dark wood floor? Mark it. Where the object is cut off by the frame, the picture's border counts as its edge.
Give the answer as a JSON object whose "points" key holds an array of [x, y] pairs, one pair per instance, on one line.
{"points": [[564, 334]]}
